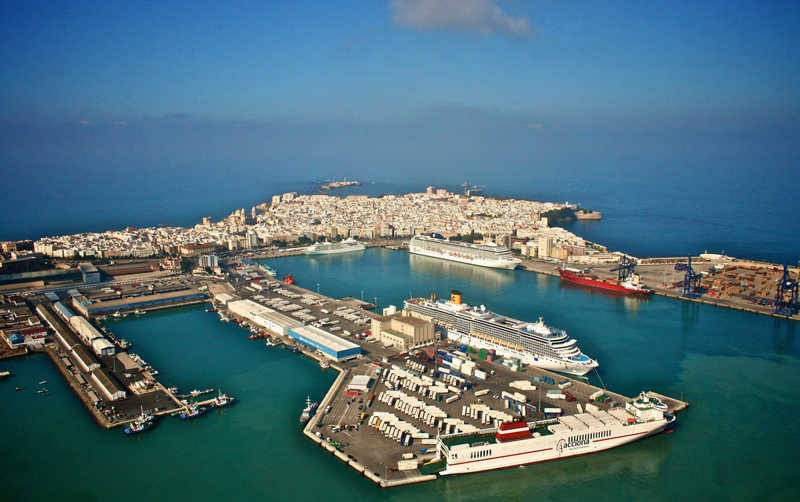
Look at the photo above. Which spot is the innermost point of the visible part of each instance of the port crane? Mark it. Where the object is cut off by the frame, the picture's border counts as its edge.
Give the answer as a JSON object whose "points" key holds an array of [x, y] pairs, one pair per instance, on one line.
{"points": [[691, 282], [786, 299], [625, 268]]}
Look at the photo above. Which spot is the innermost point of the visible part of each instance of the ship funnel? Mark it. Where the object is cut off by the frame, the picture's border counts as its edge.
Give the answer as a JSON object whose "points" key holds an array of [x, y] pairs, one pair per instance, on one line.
{"points": [[433, 297], [483, 308], [455, 297]]}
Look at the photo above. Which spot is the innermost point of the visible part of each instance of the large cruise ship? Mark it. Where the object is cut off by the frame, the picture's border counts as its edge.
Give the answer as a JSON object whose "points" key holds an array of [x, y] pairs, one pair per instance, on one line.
{"points": [[534, 343], [344, 246], [519, 443], [484, 255]]}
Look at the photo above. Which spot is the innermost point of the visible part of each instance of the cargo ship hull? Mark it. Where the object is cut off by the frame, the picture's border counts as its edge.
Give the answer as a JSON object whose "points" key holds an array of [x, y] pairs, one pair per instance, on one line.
{"points": [[599, 284]]}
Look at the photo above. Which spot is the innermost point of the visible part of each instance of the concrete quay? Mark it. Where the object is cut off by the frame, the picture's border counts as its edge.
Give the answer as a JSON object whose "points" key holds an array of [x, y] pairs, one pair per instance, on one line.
{"points": [[657, 275]]}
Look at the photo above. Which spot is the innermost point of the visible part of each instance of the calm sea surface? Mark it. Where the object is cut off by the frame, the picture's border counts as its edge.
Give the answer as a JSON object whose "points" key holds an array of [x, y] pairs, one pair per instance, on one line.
{"points": [[736, 442]]}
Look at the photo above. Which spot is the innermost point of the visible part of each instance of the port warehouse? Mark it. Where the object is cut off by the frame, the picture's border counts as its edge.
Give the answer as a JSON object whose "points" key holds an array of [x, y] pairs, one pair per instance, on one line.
{"points": [[330, 345], [86, 332], [263, 316], [106, 384], [327, 343], [143, 301], [87, 362]]}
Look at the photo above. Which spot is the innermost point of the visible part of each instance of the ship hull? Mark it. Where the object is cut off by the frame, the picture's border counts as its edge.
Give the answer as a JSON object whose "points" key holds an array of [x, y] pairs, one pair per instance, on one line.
{"points": [[501, 264], [593, 283], [546, 448]]}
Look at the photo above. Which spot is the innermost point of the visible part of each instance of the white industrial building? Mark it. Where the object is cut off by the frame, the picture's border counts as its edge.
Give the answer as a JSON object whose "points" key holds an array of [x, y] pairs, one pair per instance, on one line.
{"points": [[359, 383], [103, 347], [84, 328], [106, 385], [262, 316], [84, 358], [65, 312]]}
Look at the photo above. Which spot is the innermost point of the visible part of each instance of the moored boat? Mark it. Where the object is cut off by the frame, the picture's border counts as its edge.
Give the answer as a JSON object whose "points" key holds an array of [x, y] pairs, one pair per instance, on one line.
{"points": [[308, 411], [144, 421], [222, 400], [192, 411]]}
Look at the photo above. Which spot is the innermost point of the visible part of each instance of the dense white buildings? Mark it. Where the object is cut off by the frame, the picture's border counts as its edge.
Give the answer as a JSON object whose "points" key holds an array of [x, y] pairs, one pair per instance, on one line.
{"points": [[291, 217]]}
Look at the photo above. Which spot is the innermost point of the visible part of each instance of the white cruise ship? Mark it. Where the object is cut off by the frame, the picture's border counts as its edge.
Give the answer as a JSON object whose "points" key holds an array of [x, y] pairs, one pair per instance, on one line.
{"points": [[519, 443], [484, 255], [345, 246], [536, 344]]}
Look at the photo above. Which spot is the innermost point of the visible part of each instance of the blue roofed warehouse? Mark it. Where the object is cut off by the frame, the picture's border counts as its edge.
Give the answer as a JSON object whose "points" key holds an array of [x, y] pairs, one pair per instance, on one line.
{"points": [[330, 345]]}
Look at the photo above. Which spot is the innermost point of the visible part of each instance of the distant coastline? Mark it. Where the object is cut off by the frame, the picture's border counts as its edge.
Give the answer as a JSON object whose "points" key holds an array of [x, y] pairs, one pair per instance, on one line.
{"points": [[339, 184]]}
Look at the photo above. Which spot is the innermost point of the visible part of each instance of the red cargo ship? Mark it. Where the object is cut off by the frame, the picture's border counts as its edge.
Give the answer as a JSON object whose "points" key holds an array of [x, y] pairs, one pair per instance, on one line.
{"points": [[631, 285]]}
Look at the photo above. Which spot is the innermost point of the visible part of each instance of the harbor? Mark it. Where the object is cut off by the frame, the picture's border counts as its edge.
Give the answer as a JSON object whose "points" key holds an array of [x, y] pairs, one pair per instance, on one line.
{"points": [[339, 424], [624, 365]]}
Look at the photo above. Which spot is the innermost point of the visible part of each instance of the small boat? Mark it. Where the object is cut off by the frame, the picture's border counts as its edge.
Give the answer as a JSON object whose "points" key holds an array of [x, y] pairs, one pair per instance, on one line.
{"points": [[139, 312], [324, 364], [144, 421], [308, 411], [19, 388], [221, 400], [4, 374], [193, 411], [116, 314], [42, 382]]}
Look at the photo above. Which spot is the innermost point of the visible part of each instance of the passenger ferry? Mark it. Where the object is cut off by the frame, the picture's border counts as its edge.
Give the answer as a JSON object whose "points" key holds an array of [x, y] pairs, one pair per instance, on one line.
{"points": [[483, 255], [536, 344], [519, 443]]}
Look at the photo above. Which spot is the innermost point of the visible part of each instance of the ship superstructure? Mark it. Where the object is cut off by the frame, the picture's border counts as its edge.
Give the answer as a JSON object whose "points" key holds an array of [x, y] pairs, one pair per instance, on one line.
{"points": [[345, 246], [520, 443], [534, 343], [484, 255]]}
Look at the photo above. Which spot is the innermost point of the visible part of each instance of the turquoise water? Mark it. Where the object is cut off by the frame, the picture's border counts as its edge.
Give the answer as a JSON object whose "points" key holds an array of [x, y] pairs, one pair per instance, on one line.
{"points": [[736, 441]]}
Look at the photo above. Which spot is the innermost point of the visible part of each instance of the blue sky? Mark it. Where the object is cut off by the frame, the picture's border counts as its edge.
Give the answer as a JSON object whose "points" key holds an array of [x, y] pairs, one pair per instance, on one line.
{"points": [[576, 61]]}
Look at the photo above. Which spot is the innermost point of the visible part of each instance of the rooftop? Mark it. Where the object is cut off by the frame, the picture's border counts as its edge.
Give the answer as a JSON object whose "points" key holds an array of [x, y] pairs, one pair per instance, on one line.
{"points": [[323, 337]]}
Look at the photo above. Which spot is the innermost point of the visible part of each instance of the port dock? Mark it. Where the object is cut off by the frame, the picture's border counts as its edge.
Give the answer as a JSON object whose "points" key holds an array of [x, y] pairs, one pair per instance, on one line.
{"points": [[341, 423]]}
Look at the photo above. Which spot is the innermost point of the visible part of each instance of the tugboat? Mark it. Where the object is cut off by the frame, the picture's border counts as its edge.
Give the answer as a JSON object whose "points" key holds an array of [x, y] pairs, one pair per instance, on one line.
{"points": [[193, 411], [222, 400], [308, 411], [144, 421]]}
